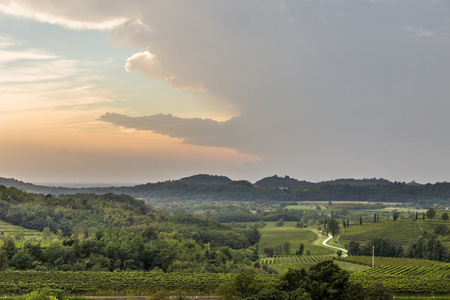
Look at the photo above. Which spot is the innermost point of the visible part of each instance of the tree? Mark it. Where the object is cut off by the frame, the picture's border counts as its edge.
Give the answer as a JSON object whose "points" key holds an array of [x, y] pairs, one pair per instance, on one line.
{"points": [[280, 222], [300, 250], [9, 246], [21, 261], [269, 251], [354, 248], [324, 280], [444, 216], [333, 226], [377, 291], [245, 284], [395, 215], [328, 281], [3, 260], [286, 247], [431, 213]]}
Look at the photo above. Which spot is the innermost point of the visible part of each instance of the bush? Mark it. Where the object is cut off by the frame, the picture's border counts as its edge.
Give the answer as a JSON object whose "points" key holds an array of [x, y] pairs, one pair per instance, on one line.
{"points": [[378, 291]]}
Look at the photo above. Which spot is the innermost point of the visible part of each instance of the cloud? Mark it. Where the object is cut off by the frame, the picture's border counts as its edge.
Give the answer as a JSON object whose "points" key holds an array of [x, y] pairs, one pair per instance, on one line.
{"points": [[146, 63], [50, 11], [196, 131], [419, 32], [36, 79], [330, 87], [131, 34], [149, 65], [321, 84]]}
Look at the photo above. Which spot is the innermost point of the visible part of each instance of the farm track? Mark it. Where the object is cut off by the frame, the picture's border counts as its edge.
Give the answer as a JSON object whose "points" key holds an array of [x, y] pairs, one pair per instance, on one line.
{"points": [[318, 239], [337, 248]]}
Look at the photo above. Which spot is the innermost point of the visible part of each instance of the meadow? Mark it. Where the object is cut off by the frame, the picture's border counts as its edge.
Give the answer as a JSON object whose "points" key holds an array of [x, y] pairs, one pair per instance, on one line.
{"points": [[273, 236], [19, 233]]}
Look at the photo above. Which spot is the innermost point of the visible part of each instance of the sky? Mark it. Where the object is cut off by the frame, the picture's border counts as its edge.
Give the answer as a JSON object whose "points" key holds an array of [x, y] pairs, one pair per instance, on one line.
{"points": [[143, 91]]}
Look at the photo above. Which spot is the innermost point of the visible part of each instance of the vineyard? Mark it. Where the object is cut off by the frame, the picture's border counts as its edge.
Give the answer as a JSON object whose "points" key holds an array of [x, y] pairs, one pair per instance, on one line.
{"points": [[295, 260], [115, 283], [404, 231], [414, 280], [406, 285], [402, 266]]}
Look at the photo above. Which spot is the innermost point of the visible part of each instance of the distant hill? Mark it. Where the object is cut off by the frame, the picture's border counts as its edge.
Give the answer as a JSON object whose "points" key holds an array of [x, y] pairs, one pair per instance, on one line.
{"points": [[286, 181], [358, 182], [274, 188], [206, 179], [25, 186]]}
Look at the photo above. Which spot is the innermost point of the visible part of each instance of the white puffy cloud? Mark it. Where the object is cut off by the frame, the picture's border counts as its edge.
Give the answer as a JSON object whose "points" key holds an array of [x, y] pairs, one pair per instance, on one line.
{"points": [[149, 65], [146, 63], [131, 34]]}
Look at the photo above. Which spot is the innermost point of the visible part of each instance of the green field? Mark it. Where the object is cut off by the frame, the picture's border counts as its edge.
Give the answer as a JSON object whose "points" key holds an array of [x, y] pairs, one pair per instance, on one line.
{"points": [[282, 264], [402, 266], [306, 207], [273, 236], [20, 233], [402, 230]]}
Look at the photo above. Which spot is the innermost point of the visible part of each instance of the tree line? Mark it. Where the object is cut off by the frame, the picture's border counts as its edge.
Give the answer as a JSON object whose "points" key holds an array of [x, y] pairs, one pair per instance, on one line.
{"points": [[119, 232]]}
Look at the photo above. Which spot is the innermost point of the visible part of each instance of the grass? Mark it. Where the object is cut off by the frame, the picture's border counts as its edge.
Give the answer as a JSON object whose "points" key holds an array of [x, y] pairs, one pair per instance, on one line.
{"points": [[20, 233], [305, 207], [351, 267], [273, 236]]}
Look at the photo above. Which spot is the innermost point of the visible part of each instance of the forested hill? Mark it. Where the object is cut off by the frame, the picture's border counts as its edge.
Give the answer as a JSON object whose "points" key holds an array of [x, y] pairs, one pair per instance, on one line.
{"points": [[268, 189], [118, 232]]}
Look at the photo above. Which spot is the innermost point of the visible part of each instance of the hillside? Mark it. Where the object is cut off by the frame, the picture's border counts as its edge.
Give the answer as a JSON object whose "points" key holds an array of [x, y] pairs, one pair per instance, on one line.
{"points": [[117, 232], [280, 189], [286, 181]]}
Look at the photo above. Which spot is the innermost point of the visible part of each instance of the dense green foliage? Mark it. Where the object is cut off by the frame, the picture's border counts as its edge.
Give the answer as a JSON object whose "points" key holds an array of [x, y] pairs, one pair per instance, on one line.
{"points": [[117, 232], [383, 247]]}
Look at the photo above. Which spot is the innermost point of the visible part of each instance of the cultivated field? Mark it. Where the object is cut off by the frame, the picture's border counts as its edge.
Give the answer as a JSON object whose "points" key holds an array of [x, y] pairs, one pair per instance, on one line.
{"points": [[402, 230], [19, 233]]}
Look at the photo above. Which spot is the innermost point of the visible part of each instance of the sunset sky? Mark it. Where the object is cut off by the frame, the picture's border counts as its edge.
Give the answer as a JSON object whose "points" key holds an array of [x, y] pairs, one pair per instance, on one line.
{"points": [[142, 91]]}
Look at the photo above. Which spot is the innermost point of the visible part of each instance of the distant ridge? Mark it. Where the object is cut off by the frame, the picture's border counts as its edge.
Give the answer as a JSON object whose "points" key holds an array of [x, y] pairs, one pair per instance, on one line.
{"points": [[273, 188], [206, 179], [286, 181], [202, 179]]}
